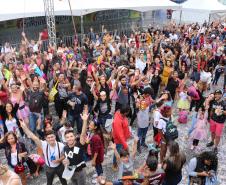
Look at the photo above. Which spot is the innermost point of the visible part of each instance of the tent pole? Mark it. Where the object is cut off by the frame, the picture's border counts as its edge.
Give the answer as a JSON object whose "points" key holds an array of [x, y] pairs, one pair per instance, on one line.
{"points": [[209, 18], [180, 16], [24, 16], [142, 19], [82, 29], [72, 17]]}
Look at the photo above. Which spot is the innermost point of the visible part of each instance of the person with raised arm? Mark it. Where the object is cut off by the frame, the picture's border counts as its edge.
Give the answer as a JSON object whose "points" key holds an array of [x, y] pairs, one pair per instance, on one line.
{"points": [[74, 154], [52, 151]]}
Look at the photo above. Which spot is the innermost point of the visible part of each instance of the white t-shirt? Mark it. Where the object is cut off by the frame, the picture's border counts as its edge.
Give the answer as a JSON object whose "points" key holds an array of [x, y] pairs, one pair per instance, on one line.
{"points": [[205, 77], [14, 158], [143, 118], [6, 50], [52, 151], [11, 125], [173, 36], [140, 64], [156, 116], [162, 124]]}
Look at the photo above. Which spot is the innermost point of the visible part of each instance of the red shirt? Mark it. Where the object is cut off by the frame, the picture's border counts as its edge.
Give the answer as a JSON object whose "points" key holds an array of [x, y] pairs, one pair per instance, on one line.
{"points": [[120, 128], [44, 35], [156, 179], [97, 146]]}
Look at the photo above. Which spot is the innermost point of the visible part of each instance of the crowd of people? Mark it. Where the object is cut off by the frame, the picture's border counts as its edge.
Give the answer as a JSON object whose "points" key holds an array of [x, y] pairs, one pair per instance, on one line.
{"points": [[108, 90]]}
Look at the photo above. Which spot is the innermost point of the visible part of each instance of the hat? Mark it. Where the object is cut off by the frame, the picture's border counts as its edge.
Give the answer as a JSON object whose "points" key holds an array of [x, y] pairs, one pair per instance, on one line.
{"points": [[128, 175], [213, 36], [153, 147], [218, 92]]}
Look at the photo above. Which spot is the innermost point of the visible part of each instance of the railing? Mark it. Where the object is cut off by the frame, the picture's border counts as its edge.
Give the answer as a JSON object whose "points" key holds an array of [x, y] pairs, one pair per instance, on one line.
{"points": [[123, 28]]}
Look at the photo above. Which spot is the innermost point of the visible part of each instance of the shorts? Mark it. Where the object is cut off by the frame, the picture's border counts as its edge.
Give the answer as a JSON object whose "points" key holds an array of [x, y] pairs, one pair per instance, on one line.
{"points": [[216, 128]]}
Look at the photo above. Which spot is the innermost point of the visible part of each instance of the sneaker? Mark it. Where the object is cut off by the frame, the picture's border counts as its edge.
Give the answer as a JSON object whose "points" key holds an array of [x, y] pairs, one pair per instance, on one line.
{"points": [[192, 147], [94, 181], [215, 150], [114, 167], [210, 144]]}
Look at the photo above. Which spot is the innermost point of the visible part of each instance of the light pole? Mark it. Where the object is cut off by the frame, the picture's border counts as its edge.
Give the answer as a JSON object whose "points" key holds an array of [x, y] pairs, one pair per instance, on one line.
{"points": [[72, 17]]}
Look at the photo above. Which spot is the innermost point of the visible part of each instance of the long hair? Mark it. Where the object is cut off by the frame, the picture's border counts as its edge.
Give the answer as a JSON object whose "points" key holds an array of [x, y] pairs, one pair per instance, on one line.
{"points": [[10, 113], [6, 138], [98, 130], [175, 155]]}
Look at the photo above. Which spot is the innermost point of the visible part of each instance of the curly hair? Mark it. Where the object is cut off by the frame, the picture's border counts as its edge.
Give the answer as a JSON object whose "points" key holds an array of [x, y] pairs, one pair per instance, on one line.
{"points": [[165, 110], [209, 156]]}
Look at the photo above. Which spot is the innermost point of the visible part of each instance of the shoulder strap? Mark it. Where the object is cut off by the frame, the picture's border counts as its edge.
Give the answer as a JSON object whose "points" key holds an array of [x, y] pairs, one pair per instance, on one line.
{"points": [[129, 95], [56, 84], [165, 120], [119, 90], [47, 155], [58, 149]]}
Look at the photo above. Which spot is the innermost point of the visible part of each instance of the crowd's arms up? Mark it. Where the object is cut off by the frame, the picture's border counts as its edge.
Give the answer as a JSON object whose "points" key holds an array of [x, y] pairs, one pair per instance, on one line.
{"points": [[30, 134]]}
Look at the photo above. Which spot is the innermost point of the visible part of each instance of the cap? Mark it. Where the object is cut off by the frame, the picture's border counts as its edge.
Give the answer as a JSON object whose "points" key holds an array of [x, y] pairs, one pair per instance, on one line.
{"points": [[128, 175], [213, 36], [153, 147], [218, 92]]}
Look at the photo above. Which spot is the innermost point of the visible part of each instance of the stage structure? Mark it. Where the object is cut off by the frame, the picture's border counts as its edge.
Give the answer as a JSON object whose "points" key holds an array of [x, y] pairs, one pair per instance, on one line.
{"points": [[50, 21]]}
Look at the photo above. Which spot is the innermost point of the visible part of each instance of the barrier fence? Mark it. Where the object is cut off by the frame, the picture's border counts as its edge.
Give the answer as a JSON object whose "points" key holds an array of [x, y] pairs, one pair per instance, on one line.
{"points": [[123, 28]]}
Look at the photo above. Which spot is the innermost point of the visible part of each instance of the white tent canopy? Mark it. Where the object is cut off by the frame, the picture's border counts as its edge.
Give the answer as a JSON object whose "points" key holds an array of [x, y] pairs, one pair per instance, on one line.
{"points": [[14, 9], [204, 5], [198, 10]]}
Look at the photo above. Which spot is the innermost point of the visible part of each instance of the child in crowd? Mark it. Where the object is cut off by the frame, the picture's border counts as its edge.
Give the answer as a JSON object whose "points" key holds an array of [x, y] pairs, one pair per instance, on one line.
{"points": [[200, 129], [183, 102], [156, 116], [125, 160], [183, 105], [142, 122]]}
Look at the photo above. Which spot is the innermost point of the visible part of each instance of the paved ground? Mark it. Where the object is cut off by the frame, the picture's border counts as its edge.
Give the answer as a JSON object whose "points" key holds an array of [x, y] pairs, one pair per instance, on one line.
{"points": [[184, 145]]}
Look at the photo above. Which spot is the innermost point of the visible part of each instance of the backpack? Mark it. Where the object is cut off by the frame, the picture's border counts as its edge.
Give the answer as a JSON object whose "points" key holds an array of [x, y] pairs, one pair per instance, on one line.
{"points": [[171, 130], [183, 117]]}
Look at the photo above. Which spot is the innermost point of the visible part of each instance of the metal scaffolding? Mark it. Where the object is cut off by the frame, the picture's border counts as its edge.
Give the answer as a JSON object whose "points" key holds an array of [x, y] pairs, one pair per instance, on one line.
{"points": [[50, 21]]}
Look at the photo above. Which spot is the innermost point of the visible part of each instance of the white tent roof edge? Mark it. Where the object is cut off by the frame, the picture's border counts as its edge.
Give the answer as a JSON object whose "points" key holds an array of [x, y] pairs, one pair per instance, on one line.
{"points": [[34, 8]]}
